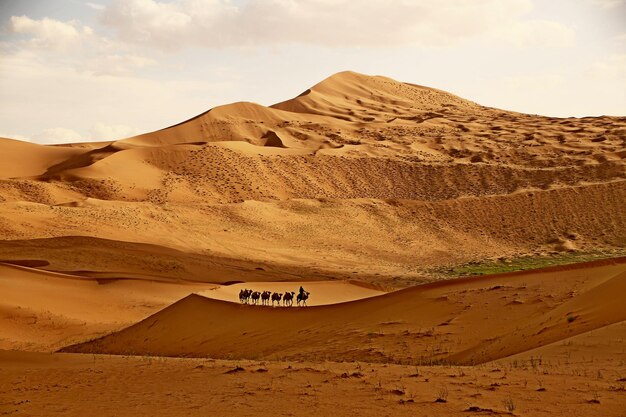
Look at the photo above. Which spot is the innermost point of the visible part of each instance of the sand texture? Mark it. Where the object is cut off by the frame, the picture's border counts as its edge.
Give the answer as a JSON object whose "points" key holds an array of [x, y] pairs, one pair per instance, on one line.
{"points": [[461, 260], [426, 178]]}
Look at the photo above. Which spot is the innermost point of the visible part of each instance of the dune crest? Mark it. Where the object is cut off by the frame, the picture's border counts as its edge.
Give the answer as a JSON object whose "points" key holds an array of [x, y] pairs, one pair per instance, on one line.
{"points": [[443, 314], [429, 179], [351, 96]]}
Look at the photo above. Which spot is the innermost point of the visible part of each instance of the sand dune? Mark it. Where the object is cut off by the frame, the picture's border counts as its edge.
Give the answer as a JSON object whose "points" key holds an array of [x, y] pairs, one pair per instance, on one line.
{"points": [[359, 189], [246, 122], [42, 311], [23, 159], [401, 240], [324, 292], [428, 179], [467, 321], [115, 259], [352, 96]]}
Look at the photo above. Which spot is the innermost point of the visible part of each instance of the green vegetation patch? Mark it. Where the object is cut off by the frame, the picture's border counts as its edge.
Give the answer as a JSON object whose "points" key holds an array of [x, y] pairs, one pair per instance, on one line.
{"points": [[529, 262]]}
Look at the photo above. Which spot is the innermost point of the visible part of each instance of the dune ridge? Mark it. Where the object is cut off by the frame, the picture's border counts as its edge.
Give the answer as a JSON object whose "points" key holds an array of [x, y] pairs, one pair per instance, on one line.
{"points": [[433, 323], [403, 164], [406, 237], [43, 311]]}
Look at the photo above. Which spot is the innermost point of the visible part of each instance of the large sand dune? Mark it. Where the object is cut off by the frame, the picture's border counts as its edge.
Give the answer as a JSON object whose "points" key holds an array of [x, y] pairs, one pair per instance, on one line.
{"points": [[426, 178]]}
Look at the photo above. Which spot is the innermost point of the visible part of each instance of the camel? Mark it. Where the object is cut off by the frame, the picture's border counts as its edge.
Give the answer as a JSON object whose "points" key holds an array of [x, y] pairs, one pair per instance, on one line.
{"points": [[244, 296], [255, 297], [288, 298], [276, 297], [265, 297], [302, 298]]}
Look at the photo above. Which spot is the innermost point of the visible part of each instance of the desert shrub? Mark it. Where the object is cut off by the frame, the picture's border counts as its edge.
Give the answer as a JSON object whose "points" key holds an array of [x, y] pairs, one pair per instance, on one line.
{"points": [[509, 405], [442, 395]]}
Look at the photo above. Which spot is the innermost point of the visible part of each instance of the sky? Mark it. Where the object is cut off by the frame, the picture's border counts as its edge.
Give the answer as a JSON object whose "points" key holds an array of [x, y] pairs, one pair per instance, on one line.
{"points": [[74, 70]]}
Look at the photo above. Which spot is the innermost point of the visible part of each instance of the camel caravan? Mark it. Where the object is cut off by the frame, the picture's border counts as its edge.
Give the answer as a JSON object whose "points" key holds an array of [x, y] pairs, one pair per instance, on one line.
{"points": [[254, 297]]}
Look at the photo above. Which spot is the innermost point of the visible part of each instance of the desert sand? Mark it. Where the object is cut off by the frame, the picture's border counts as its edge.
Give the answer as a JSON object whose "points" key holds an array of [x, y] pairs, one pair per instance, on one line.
{"points": [[461, 260]]}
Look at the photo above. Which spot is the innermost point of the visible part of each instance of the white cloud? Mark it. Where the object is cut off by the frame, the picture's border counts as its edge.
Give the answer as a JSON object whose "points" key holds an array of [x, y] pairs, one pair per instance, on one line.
{"points": [[136, 73], [49, 33], [147, 21], [74, 45], [103, 132], [219, 23], [37, 94], [95, 6], [57, 135]]}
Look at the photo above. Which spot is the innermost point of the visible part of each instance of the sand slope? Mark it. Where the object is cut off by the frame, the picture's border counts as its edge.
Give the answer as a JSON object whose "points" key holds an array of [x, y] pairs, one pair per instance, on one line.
{"points": [[43, 311], [428, 179], [466, 321], [24, 159], [305, 239], [325, 292]]}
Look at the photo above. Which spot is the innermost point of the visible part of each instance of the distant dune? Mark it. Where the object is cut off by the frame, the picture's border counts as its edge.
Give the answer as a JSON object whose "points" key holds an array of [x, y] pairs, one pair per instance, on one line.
{"points": [[427, 179]]}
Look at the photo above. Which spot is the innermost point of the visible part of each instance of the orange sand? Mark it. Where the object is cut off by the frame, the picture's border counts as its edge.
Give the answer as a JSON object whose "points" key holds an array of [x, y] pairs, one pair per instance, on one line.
{"points": [[358, 189]]}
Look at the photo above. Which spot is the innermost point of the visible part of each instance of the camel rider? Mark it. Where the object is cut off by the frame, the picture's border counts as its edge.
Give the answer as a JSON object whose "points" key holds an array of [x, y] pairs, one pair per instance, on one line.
{"points": [[301, 291]]}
